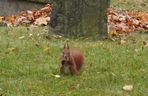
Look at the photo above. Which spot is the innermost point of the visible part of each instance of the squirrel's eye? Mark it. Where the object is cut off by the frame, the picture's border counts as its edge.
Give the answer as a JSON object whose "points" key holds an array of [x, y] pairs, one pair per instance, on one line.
{"points": [[63, 52]]}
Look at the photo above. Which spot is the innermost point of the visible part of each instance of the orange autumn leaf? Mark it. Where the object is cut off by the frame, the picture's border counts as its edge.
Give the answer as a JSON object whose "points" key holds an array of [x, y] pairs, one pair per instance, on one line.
{"points": [[29, 16]]}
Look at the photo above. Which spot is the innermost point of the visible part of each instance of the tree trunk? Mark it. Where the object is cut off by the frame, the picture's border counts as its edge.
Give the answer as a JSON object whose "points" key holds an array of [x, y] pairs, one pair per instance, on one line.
{"points": [[102, 18], [79, 17]]}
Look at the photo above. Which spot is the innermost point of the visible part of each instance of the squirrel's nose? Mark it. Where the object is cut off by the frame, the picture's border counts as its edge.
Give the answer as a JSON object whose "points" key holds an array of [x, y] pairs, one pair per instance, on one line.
{"points": [[65, 57]]}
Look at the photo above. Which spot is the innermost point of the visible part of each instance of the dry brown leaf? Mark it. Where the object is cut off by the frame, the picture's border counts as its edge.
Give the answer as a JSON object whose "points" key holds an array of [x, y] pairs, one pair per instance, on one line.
{"points": [[121, 20], [1, 19], [145, 44], [13, 49], [42, 21], [126, 21], [30, 88], [122, 42], [28, 16]]}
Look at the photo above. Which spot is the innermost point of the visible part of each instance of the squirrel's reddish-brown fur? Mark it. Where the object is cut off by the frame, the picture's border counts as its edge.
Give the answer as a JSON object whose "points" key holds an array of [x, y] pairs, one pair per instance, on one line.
{"points": [[72, 60]]}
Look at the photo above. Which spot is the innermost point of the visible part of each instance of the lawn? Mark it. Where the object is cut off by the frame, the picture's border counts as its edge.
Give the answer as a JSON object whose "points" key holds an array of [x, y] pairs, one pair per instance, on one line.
{"points": [[29, 61], [138, 5]]}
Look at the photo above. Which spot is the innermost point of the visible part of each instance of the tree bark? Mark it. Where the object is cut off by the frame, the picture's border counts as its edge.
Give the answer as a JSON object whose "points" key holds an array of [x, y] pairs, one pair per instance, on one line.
{"points": [[80, 17], [103, 5]]}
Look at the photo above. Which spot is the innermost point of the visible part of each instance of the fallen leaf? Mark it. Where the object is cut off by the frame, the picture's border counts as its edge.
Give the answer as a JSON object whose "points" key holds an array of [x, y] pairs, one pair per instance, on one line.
{"points": [[46, 49], [145, 44], [30, 35], [73, 87], [35, 16], [32, 27], [1, 19], [37, 45], [57, 36], [128, 87], [16, 50], [127, 21], [13, 49], [19, 20], [22, 37], [136, 50], [57, 76], [113, 33], [47, 36], [30, 88], [42, 21], [122, 42]]}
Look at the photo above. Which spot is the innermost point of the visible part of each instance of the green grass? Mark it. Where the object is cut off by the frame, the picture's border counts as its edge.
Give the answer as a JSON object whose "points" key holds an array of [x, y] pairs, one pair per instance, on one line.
{"points": [[138, 5], [108, 66], [27, 66]]}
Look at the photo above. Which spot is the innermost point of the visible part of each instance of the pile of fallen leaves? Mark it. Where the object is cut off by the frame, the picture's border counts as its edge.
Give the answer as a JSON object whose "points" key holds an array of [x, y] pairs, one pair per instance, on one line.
{"points": [[119, 21], [123, 21], [30, 17]]}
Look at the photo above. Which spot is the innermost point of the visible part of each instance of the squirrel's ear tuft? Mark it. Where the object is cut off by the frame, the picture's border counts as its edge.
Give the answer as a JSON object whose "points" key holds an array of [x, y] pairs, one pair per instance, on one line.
{"points": [[66, 46]]}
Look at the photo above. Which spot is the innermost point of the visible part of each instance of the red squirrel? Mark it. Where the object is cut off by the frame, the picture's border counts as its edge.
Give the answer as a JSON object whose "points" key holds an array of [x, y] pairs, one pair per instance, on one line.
{"points": [[72, 60]]}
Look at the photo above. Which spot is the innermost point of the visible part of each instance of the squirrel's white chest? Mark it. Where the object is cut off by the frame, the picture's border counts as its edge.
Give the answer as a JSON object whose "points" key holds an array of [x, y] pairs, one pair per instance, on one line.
{"points": [[66, 69]]}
